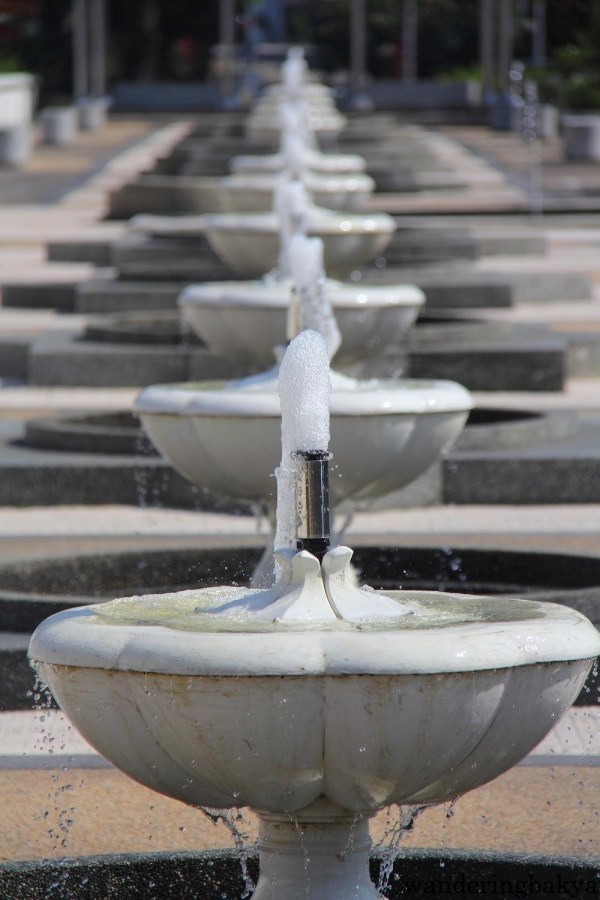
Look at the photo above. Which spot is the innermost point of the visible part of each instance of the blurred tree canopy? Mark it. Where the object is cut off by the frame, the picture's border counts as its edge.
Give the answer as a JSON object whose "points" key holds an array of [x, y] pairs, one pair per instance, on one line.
{"points": [[171, 39]]}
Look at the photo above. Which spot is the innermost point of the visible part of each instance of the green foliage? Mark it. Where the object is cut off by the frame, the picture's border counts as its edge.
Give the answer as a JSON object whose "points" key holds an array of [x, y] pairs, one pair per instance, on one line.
{"points": [[10, 64], [462, 73], [576, 79], [582, 91]]}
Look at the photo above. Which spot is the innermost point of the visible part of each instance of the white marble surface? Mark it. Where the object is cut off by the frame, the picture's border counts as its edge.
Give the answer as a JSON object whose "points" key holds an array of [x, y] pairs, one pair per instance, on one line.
{"points": [[35, 739]]}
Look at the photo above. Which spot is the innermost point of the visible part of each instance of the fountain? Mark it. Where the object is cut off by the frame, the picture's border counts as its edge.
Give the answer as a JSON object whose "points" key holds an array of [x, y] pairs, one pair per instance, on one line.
{"points": [[225, 435], [248, 318], [253, 191], [315, 110], [312, 701], [248, 243]]}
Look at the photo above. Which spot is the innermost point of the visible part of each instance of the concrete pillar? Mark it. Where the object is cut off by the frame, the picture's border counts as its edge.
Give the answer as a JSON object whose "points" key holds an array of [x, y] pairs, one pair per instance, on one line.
{"points": [[487, 55], [410, 29], [227, 44], [79, 41], [98, 48], [275, 12], [505, 42], [358, 45], [227, 23], [538, 37]]}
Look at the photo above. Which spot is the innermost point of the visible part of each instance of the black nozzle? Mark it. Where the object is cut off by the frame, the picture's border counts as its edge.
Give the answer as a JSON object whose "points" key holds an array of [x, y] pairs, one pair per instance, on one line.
{"points": [[312, 502]]}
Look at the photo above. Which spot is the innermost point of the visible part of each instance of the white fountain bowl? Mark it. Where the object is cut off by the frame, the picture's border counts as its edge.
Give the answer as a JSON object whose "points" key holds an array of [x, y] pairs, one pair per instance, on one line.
{"points": [[249, 243], [326, 163], [254, 193], [264, 127], [227, 439], [309, 90], [279, 718], [247, 319], [314, 106]]}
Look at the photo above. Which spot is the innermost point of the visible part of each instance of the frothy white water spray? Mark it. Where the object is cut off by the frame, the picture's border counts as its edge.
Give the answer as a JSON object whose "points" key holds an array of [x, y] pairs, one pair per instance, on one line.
{"points": [[304, 391], [293, 119], [291, 206], [293, 73], [311, 307], [294, 154]]}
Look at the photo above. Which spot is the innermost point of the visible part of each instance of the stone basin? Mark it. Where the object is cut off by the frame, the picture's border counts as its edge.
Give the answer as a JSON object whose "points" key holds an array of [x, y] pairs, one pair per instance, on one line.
{"points": [[226, 436], [248, 192], [264, 126], [206, 698], [327, 163], [248, 319], [460, 704], [249, 244], [309, 89]]}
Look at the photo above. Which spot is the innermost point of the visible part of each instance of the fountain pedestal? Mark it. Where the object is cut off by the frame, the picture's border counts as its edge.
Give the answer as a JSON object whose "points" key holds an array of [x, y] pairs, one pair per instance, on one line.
{"points": [[324, 848]]}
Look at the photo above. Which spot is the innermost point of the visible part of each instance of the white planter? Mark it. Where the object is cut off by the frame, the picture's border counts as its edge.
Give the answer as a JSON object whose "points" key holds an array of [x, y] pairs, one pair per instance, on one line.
{"points": [[17, 97], [92, 113], [59, 124], [15, 145], [581, 137]]}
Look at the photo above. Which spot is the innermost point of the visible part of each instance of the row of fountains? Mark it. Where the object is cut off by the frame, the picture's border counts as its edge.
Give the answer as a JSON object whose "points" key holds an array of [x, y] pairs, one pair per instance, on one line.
{"points": [[306, 697]]}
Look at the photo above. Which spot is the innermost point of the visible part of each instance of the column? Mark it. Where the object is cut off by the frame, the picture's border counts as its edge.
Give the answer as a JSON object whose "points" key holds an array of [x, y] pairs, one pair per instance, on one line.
{"points": [[538, 41], [98, 48], [79, 47], [227, 46], [275, 12], [358, 45], [505, 42], [409, 40], [487, 8]]}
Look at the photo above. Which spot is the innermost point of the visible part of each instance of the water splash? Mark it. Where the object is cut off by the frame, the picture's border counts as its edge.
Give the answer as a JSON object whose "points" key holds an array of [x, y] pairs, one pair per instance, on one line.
{"points": [[400, 820], [231, 819]]}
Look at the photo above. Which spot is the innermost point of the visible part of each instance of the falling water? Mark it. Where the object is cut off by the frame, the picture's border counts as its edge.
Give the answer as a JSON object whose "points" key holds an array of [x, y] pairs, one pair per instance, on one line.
{"points": [[231, 819], [293, 73], [530, 126], [400, 820], [294, 154]]}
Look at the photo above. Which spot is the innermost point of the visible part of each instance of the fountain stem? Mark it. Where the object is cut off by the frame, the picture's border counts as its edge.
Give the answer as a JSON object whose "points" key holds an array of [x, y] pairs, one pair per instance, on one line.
{"points": [[312, 502], [322, 857]]}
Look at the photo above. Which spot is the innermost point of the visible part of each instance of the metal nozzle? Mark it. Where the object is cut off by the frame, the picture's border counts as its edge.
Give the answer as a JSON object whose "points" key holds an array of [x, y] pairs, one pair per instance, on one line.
{"points": [[312, 502]]}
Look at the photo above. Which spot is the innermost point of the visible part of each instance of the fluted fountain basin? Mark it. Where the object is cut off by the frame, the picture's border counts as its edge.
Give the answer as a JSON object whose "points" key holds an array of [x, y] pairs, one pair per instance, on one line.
{"points": [[249, 243], [310, 90], [283, 716], [248, 319], [248, 192], [226, 436], [264, 126], [327, 163]]}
